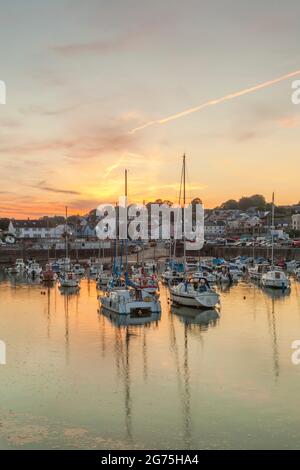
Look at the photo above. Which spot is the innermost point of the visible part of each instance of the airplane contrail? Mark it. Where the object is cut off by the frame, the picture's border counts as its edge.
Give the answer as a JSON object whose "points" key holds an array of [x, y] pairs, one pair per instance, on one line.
{"points": [[231, 96]]}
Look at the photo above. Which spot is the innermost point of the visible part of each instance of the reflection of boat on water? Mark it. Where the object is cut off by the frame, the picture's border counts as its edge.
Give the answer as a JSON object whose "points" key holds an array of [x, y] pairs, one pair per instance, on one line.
{"points": [[271, 317], [126, 320], [22, 280], [276, 294], [130, 334], [18, 268], [189, 315], [69, 290]]}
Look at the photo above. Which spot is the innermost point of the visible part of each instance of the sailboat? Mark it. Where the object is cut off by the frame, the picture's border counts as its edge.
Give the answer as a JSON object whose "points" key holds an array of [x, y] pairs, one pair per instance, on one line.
{"points": [[18, 268], [131, 299], [48, 275], [33, 269], [97, 268], [192, 292], [275, 278], [68, 278]]}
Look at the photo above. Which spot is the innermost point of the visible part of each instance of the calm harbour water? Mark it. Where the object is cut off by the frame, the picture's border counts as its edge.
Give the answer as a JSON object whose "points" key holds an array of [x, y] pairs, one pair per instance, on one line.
{"points": [[74, 379]]}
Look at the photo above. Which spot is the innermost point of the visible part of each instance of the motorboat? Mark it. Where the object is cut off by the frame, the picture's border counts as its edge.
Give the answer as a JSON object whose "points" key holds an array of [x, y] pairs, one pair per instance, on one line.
{"points": [[64, 264], [276, 279], [55, 267], [18, 268], [171, 275], [48, 275], [68, 279], [144, 280], [147, 283], [292, 266], [255, 272], [205, 274], [33, 269], [95, 269], [194, 293], [236, 272], [78, 269], [223, 275], [103, 278]]}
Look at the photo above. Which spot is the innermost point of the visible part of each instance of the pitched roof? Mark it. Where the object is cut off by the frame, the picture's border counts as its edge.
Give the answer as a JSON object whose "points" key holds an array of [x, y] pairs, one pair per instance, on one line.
{"points": [[33, 224]]}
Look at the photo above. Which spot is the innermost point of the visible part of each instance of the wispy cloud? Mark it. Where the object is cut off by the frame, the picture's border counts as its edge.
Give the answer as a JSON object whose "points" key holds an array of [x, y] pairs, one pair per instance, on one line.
{"points": [[41, 111], [44, 187], [215, 102], [102, 46]]}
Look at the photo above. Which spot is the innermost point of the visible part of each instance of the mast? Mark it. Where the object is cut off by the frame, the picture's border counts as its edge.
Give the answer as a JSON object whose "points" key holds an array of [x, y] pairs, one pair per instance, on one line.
{"points": [[66, 237], [273, 227], [184, 201], [126, 244], [48, 248]]}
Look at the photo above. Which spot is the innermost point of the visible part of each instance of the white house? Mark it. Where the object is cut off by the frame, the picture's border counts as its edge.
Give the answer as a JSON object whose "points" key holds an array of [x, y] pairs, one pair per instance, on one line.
{"points": [[296, 221], [214, 228], [22, 229]]}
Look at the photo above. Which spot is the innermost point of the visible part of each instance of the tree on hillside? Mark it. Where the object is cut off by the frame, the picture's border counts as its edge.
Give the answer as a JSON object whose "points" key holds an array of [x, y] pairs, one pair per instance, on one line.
{"points": [[4, 223], [257, 200], [231, 204]]}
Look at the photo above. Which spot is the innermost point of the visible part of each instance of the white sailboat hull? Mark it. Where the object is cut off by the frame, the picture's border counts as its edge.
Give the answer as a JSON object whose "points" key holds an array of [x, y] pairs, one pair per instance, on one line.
{"points": [[68, 283], [198, 299], [138, 309], [275, 280]]}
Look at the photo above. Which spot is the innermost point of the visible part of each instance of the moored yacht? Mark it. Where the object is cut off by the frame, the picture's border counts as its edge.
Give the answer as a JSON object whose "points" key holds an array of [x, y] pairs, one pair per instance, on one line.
{"points": [[275, 278], [103, 278], [78, 269], [255, 272], [18, 268], [195, 293], [68, 279], [48, 275], [134, 302], [33, 269]]}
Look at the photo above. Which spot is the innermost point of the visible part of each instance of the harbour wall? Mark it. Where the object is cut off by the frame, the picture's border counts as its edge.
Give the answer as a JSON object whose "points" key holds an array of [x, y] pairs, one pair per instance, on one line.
{"points": [[8, 255]]}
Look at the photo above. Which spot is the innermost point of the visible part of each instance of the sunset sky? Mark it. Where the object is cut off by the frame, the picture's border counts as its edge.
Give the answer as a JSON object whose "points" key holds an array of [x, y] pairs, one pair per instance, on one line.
{"points": [[81, 76]]}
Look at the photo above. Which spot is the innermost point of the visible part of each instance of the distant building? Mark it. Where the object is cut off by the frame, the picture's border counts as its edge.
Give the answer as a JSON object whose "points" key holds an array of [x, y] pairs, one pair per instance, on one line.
{"points": [[214, 228], [296, 222], [23, 229]]}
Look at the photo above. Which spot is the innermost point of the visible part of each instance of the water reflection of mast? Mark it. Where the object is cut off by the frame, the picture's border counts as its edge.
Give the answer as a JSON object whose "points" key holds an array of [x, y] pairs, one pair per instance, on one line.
{"points": [[66, 308], [145, 362], [184, 388], [187, 394], [48, 313], [273, 332], [127, 388], [123, 369]]}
